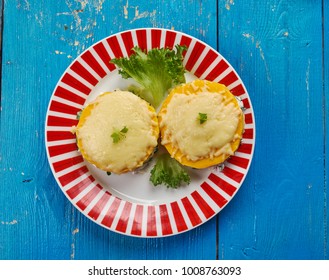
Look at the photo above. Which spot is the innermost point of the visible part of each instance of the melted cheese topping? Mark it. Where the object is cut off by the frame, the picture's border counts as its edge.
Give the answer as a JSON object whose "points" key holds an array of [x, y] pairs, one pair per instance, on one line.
{"points": [[198, 141], [112, 112]]}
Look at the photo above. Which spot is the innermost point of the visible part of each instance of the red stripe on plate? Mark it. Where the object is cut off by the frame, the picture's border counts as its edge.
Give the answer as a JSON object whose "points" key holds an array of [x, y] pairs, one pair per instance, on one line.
{"points": [[69, 177], [138, 221], [93, 63], [128, 41], [239, 161], [238, 90], [115, 46], [73, 82], [141, 39], [192, 214], [98, 207], [209, 58], [217, 70], [111, 213], [59, 121], [165, 221], [155, 38], [246, 103], [194, 56], [123, 221], [179, 219], [215, 196], [203, 205], [66, 163], [185, 41], [233, 174], [63, 108], [170, 39], [229, 79], [248, 133], [68, 95], [223, 185], [245, 148], [151, 222], [79, 187], [84, 73], [104, 56], [248, 118], [89, 197], [62, 149], [59, 135]]}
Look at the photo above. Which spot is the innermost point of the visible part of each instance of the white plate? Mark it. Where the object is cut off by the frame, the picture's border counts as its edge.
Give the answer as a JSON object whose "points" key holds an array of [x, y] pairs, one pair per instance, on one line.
{"points": [[129, 204]]}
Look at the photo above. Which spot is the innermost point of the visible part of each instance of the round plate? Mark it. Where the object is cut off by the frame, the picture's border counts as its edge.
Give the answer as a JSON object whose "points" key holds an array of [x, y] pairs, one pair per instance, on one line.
{"points": [[129, 203]]}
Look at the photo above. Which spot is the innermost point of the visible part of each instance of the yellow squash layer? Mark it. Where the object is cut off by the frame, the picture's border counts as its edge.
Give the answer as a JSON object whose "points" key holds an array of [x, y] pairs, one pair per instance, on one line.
{"points": [[201, 123], [110, 113]]}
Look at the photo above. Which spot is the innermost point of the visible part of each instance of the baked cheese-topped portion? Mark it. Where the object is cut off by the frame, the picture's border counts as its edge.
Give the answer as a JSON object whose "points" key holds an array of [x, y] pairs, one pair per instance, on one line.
{"points": [[201, 123], [117, 132]]}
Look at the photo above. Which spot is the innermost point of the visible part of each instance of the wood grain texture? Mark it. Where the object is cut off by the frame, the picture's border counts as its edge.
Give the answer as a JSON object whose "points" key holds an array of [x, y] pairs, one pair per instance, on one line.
{"points": [[279, 212], [41, 40], [325, 96], [278, 47]]}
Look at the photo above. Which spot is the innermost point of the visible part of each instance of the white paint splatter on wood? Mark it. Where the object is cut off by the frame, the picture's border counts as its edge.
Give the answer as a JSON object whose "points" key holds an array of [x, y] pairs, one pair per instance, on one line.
{"points": [[13, 222], [82, 26], [125, 10], [261, 53], [228, 4], [74, 232], [25, 5], [143, 15], [138, 14]]}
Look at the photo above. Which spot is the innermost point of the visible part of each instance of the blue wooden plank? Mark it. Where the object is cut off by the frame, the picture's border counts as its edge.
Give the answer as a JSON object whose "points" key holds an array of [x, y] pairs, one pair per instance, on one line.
{"points": [[325, 95], [32, 207], [277, 49], [40, 40], [1, 20]]}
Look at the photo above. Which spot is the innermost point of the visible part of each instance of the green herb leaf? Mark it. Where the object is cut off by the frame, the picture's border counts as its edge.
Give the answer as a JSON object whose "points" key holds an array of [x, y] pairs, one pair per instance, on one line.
{"points": [[79, 114], [169, 172], [118, 135], [155, 71], [124, 130], [202, 117]]}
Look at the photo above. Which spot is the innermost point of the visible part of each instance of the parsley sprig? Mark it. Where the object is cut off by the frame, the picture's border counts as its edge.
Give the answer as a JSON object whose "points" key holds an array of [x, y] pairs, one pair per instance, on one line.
{"points": [[118, 135], [202, 117], [79, 114]]}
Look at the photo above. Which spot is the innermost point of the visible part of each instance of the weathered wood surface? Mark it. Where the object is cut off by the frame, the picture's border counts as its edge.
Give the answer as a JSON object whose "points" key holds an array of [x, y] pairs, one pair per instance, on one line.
{"points": [[279, 49]]}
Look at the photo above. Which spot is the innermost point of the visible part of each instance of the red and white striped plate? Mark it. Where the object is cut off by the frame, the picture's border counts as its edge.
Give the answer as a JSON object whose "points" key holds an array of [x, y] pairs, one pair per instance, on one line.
{"points": [[129, 204]]}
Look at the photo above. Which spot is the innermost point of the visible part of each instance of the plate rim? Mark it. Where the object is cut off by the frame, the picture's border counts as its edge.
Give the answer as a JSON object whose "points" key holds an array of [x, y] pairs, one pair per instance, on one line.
{"points": [[118, 34]]}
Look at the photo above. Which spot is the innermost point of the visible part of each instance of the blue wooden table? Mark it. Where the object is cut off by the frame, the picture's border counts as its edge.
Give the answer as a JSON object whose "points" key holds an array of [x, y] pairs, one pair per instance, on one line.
{"points": [[280, 49]]}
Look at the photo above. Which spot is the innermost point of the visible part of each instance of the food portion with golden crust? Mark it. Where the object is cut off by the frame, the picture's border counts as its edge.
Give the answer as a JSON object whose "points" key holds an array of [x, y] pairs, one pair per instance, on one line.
{"points": [[201, 123], [117, 132]]}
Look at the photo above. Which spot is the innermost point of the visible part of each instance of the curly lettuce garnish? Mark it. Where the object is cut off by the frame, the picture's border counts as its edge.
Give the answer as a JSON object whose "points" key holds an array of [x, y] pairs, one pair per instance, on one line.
{"points": [[156, 71], [169, 172]]}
